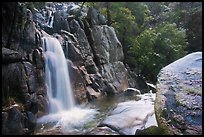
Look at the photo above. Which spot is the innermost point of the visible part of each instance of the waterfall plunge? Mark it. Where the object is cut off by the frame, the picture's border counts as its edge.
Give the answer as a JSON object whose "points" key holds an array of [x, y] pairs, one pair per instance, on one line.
{"points": [[57, 76], [63, 111]]}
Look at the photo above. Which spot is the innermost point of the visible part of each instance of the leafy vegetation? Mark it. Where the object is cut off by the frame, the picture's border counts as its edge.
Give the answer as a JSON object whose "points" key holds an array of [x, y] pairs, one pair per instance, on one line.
{"points": [[154, 34], [32, 5]]}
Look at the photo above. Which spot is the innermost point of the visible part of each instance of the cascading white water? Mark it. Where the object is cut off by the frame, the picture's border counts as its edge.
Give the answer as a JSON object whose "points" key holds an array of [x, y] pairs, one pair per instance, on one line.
{"points": [[63, 112], [50, 19], [57, 77]]}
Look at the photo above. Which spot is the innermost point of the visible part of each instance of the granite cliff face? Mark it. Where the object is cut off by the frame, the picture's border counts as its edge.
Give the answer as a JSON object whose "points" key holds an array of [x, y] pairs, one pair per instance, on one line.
{"points": [[93, 52]]}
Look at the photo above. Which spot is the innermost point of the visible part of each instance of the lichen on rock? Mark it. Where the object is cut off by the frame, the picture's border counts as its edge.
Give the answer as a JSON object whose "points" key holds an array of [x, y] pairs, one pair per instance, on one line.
{"points": [[178, 103]]}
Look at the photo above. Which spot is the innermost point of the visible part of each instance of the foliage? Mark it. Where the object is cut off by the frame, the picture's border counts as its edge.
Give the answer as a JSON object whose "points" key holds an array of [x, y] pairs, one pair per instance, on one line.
{"points": [[158, 47], [154, 34], [92, 4], [32, 5], [194, 31], [187, 15], [124, 25]]}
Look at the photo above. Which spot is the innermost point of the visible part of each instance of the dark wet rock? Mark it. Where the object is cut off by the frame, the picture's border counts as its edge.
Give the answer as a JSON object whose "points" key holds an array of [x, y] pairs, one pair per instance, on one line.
{"points": [[179, 96], [34, 106], [11, 56], [81, 23], [60, 23], [30, 122], [27, 101], [13, 124], [74, 26], [12, 73], [18, 30], [22, 68], [31, 81], [74, 53]]}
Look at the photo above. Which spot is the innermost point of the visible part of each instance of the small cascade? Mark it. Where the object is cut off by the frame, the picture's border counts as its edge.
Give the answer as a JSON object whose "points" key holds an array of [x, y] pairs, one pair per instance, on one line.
{"points": [[50, 19], [57, 76]]}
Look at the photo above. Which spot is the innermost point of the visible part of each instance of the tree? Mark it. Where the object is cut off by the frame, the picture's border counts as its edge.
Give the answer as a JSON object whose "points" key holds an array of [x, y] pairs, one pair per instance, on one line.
{"points": [[154, 34], [158, 47], [188, 15]]}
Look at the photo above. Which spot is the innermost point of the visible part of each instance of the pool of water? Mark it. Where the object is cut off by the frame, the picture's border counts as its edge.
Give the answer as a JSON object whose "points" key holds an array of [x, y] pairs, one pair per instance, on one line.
{"points": [[83, 118]]}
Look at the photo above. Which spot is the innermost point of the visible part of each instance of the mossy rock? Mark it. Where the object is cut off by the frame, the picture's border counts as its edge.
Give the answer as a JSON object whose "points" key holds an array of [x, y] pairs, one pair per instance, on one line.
{"points": [[178, 103], [153, 130]]}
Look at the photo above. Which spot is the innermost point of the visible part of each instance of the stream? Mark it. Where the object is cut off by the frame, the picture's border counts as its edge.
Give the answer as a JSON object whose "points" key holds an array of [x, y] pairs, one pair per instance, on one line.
{"points": [[83, 119]]}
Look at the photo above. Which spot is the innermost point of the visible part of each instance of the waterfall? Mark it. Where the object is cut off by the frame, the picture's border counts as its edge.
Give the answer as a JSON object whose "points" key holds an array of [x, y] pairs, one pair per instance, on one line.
{"points": [[50, 19], [63, 112], [57, 77]]}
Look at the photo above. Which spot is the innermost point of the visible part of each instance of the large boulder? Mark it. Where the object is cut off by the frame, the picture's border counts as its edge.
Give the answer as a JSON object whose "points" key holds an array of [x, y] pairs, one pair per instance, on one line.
{"points": [[178, 103], [116, 74], [13, 122]]}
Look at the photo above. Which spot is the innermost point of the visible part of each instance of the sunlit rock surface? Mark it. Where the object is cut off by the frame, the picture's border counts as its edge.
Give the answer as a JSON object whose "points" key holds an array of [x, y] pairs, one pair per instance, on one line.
{"points": [[129, 116], [178, 103]]}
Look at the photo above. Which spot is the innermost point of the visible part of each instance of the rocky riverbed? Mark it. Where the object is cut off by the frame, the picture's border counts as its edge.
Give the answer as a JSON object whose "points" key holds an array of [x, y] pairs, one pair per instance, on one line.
{"points": [[113, 115]]}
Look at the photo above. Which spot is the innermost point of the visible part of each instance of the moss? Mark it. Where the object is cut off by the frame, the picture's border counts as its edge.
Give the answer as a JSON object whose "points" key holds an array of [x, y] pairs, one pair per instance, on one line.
{"points": [[153, 130], [162, 129], [193, 90], [32, 5], [90, 124]]}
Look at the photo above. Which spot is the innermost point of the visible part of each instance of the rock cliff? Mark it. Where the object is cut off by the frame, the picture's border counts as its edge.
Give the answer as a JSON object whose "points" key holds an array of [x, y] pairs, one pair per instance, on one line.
{"points": [[93, 52], [23, 90]]}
